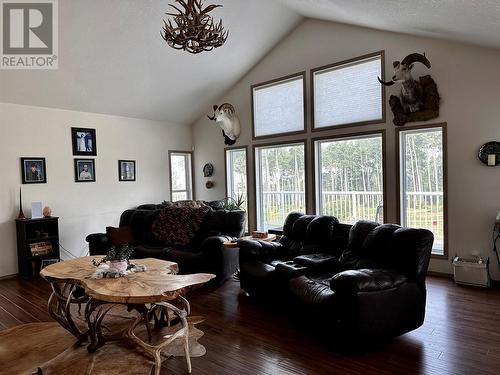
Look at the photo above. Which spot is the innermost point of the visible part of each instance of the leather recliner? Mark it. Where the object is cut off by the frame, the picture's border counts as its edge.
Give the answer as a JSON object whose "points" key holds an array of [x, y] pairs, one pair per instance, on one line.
{"points": [[365, 282], [205, 252]]}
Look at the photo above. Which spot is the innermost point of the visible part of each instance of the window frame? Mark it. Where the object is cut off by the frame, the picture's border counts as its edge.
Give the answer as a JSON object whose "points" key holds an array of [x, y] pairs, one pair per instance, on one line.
{"points": [[292, 142], [226, 164], [444, 131], [348, 136], [275, 82], [314, 71], [189, 177]]}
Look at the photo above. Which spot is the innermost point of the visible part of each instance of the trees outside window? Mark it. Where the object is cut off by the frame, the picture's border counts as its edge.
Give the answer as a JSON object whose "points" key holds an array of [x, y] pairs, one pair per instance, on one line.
{"points": [[181, 180], [350, 178], [280, 177], [236, 176], [422, 182]]}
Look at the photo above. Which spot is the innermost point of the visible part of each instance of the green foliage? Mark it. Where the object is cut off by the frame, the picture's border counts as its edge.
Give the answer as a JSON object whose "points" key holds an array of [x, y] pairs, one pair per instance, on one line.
{"points": [[233, 204], [282, 168], [116, 253]]}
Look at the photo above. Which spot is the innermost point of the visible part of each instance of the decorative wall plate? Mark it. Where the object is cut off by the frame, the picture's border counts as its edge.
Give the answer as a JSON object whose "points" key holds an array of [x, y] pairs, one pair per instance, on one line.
{"points": [[208, 170], [489, 148]]}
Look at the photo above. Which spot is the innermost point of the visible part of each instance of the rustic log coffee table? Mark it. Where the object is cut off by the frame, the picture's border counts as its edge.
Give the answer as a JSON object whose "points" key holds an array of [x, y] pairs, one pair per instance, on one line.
{"points": [[158, 293]]}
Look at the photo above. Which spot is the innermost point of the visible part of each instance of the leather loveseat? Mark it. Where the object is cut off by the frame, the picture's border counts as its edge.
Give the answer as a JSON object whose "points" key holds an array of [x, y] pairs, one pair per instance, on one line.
{"points": [[205, 252], [364, 283]]}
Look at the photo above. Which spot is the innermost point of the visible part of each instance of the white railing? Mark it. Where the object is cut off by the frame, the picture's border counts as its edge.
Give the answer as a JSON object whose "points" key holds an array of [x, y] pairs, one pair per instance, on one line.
{"points": [[277, 205], [179, 196], [423, 209], [351, 206]]}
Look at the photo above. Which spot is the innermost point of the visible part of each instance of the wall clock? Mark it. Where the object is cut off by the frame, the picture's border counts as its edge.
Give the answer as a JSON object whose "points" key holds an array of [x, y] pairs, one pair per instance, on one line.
{"points": [[489, 153]]}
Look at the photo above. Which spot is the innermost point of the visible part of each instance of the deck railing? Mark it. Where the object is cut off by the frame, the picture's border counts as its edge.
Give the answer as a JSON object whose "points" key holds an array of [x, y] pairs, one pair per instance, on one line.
{"points": [[423, 209]]}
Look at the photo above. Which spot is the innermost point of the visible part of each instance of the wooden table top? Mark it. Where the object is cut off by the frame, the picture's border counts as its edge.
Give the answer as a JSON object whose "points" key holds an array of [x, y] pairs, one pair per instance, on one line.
{"points": [[234, 244], [158, 283]]}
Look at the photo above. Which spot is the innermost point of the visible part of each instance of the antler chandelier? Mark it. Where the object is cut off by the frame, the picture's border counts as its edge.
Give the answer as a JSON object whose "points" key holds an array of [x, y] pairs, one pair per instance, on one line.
{"points": [[194, 30]]}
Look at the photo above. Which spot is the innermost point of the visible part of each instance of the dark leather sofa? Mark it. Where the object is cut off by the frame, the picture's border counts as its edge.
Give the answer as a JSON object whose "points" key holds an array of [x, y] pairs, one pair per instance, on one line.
{"points": [[205, 253], [363, 283]]}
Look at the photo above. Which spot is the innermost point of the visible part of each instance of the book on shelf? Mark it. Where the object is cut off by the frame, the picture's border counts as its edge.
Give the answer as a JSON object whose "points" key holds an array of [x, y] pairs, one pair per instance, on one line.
{"points": [[41, 248]]}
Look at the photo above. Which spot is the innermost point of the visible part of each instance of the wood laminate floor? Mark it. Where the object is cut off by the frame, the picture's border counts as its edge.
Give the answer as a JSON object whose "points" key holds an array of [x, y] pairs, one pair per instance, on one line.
{"points": [[461, 334]]}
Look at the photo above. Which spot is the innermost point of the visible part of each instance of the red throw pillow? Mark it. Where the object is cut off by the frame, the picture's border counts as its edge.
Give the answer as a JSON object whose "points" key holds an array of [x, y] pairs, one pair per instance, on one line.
{"points": [[120, 236]]}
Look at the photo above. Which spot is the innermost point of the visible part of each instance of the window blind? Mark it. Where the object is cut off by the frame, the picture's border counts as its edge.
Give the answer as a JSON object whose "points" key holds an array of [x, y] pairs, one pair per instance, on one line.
{"points": [[348, 93], [279, 107]]}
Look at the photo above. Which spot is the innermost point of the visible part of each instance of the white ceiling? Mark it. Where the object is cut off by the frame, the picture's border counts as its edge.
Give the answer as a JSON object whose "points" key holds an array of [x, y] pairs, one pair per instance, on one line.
{"points": [[112, 59], [471, 21]]}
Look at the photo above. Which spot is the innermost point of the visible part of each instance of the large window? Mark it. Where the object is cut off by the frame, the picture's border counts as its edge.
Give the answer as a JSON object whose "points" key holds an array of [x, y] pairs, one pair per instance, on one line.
{"points": [[280, 183], [278, 106], [350, 177], [348, 93], [181, 180], [422, 181], [236, 176]]}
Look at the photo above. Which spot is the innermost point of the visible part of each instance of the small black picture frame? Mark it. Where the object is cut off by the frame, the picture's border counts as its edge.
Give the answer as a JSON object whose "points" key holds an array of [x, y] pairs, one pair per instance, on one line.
{"points": [[126, 170], [33, 171], [84, 141], [84, 170]]}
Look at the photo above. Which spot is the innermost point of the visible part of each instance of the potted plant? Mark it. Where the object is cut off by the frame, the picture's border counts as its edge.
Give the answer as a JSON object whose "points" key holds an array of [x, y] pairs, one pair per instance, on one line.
{"points": [[233, 204], [117, 257]]}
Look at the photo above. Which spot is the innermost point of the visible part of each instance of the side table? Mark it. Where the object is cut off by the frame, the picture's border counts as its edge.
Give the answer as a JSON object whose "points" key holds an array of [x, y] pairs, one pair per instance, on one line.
{"points": [[233, 246]]}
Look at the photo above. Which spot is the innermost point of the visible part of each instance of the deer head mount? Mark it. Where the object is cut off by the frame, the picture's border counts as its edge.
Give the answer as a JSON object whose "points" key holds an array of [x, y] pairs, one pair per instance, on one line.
{"points": [[225, 116]]}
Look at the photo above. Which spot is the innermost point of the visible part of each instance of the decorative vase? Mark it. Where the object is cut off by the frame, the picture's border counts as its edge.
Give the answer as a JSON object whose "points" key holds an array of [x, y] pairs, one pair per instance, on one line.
{"points": [[119, 265]]}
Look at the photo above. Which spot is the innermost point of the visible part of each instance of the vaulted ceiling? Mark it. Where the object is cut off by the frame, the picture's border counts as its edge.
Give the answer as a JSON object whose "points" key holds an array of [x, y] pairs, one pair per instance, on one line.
{"points": [[472, 21], [112, 59]]}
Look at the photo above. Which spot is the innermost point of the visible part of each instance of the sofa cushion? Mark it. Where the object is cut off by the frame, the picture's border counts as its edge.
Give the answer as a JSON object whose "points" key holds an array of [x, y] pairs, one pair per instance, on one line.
{"points": [[144, 251], [120, 236], [366, 280], [312, 290], [318, 236], [321, 260]]}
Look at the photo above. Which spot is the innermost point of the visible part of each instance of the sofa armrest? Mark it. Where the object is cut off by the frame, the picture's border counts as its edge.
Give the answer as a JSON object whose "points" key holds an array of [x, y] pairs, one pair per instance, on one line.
{"points": [[252, 250], [98, 243], [214, 242], [365, 280]]}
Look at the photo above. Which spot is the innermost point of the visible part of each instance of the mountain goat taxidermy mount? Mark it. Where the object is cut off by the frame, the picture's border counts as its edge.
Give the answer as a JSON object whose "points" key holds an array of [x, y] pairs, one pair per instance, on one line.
{"points": [[225, 116], [418, 100]]}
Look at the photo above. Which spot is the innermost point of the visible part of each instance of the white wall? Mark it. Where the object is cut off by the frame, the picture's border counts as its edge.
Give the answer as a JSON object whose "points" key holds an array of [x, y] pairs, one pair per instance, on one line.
{"points": [[83, 208], [468, 79]]}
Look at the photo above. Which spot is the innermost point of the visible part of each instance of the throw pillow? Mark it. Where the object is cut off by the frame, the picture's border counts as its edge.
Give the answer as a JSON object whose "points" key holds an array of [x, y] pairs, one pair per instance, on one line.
{"points": [[120, 236]]}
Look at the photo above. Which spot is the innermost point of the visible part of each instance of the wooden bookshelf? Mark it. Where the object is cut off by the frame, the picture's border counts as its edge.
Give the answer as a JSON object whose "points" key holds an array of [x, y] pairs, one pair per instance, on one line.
{"points": [[31, 232]]}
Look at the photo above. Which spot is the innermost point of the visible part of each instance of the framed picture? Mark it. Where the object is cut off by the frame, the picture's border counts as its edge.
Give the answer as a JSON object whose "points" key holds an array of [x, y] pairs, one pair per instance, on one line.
{"points": [[126, 170], [84, 170], [33, 171], [84, 142], [47, 262]]}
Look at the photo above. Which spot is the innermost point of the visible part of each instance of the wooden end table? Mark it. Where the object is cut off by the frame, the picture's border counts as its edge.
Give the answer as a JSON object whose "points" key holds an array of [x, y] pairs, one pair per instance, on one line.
{"points": [[153, 294], [234, 244]]}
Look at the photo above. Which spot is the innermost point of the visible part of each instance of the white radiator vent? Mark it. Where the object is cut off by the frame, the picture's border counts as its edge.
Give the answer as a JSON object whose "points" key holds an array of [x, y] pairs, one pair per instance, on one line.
{"points": [[471, 271]]}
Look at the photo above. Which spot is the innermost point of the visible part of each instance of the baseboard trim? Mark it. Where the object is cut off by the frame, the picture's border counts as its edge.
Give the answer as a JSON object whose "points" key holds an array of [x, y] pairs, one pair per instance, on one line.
{"points": [[440, 274], [8, 277], [494, 283]]}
